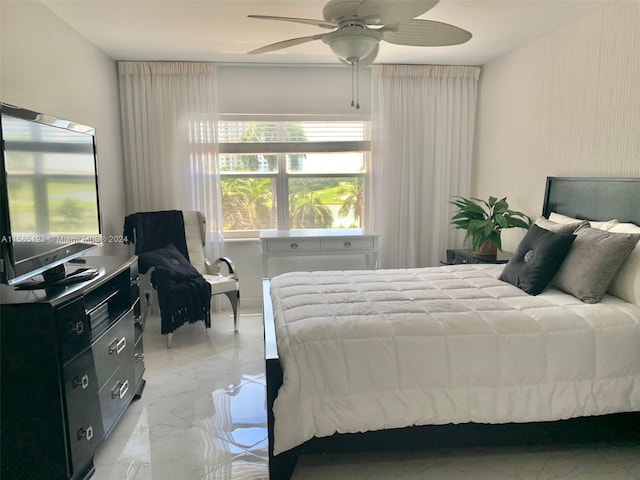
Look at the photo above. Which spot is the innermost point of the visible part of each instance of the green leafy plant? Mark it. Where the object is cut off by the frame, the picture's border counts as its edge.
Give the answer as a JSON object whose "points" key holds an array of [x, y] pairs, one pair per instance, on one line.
{"points": [[483, 220]]}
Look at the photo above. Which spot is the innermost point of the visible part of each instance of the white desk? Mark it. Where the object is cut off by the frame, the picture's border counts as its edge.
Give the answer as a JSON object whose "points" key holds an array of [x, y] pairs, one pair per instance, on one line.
{"points": [[331, 241]]}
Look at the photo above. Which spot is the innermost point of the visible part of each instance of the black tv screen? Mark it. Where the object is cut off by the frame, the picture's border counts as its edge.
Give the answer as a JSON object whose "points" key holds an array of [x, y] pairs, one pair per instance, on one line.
{"points": [[50, 203]]}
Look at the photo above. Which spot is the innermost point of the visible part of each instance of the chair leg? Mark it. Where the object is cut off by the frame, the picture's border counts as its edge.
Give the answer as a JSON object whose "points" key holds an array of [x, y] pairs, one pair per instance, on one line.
{"points": [[147, 307], [234, 298], [169, 340]]}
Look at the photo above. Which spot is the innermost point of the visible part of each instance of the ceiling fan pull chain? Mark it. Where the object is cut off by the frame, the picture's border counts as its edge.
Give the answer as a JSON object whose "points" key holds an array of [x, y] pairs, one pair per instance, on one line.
{"points": [[353, 66], [355, 82], [357, 85]]}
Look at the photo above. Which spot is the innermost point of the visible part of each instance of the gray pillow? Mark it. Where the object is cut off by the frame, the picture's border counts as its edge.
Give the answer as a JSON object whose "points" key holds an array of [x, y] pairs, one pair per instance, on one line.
{"points": [[556, 227], [592, 263]]}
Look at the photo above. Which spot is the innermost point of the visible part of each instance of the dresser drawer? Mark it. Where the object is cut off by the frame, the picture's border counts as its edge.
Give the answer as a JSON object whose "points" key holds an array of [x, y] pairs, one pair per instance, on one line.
{"points": [[115, 347], [80, 382], [338, 244], [74, 330], [83, 411], [116, 394], [293, 245]]}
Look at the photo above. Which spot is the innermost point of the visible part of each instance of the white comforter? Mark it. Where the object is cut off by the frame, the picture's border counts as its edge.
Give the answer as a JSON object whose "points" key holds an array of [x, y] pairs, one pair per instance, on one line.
{"points": [[371, 350]]}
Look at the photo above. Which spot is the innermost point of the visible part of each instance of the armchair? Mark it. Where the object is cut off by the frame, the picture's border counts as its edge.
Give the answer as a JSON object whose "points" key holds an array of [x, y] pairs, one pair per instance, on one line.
{"points": [[221, 274]]}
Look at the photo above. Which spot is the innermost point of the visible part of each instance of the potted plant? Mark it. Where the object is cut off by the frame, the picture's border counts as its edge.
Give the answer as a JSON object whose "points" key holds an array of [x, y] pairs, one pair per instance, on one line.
{"points": [[483, 220]]}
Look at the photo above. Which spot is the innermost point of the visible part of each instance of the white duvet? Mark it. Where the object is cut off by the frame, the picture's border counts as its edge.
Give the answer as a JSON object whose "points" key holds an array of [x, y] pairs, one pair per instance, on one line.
{"points": [[371, 350]]}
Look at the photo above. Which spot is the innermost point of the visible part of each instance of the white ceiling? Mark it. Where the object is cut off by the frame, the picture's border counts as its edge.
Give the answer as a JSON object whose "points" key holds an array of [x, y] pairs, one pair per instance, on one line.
{"points": [[219, 30]]}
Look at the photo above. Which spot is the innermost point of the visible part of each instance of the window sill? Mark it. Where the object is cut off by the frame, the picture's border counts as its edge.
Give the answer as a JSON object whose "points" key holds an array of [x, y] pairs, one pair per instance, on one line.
{"points": [[242, 240]]}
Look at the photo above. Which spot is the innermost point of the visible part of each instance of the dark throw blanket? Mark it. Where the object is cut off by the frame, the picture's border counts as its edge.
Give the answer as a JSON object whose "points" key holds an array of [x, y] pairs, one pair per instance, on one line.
{"points": [[153, 230], [183, 293]]}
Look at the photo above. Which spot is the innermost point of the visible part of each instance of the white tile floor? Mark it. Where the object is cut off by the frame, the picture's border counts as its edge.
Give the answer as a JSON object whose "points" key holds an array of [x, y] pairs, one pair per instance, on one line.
{"points": [[202, 416], [202, 413]]}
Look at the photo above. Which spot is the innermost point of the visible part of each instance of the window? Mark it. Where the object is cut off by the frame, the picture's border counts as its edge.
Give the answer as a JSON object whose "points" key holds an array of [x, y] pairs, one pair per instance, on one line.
{"points": [[293, 173]]}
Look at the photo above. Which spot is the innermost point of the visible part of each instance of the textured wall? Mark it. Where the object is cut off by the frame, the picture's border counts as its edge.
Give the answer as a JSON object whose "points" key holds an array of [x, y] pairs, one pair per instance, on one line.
{"points": [[567, 104]]}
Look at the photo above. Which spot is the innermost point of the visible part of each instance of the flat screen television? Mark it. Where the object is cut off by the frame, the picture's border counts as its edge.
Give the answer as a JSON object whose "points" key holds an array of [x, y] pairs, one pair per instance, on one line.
{"points": [[50, 209]]}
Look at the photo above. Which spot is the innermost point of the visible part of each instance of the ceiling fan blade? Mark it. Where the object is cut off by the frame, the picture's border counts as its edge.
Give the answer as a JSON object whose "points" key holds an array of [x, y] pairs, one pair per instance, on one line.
{"points": [[425, 33], [285, 44], [366, 61], [391, 12], [306, 21]]}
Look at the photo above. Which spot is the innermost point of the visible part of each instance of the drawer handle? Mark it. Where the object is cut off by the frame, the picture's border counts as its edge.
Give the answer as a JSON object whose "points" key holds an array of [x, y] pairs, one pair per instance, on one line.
{"points": [[120, 390], [346, 244], [139, 357], [87, 434], [80, 382], [293, 245], [78, 328], [117, 346]]}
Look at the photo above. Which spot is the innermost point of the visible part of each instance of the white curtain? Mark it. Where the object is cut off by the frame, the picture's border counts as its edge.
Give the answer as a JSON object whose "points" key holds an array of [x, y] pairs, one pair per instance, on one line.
{"points": [[423, 123], [168, 112]]}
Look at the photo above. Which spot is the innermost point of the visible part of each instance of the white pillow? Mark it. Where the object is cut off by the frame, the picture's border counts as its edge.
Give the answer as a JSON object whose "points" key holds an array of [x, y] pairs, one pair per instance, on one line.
{"points": [[559, 218], [626, 284], [606, 226], [561, 227]]}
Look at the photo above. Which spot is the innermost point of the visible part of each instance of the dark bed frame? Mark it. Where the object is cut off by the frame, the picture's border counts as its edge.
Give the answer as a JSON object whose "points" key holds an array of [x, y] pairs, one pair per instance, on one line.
{"points": [[598, 199]]}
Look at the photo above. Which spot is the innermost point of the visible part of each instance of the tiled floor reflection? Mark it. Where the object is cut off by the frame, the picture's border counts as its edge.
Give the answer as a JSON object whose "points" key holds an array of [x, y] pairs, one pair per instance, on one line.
{"points": [[202, 414], [202, 417]]}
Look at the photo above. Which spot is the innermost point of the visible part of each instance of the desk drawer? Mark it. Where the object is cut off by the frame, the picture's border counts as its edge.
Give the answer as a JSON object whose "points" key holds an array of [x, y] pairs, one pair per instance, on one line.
{"points": [[293, 245], [355, 243]]}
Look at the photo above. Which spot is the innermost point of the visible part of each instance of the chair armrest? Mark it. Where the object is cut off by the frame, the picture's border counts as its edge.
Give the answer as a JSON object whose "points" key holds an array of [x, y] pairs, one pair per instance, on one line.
{"points": [[214, 268], [144, 281]]}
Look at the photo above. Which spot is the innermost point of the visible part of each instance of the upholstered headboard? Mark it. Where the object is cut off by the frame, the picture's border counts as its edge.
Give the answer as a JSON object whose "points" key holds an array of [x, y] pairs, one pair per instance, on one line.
{"points": [[594, 198]]}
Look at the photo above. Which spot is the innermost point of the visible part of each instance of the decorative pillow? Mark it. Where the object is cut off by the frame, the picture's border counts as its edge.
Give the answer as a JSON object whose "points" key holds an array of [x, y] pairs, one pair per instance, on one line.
{"points": [[559, 218], [592, 263], [569, 227], [626, 284], [537, 259]]}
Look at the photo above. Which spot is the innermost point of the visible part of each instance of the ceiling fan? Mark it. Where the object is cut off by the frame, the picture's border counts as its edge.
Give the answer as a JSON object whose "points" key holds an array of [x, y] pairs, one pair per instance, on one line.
{"points": [[358, 26]]}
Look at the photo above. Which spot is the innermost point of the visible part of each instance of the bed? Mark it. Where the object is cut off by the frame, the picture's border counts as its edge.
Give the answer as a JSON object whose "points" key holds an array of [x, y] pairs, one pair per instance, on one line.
{"points": [[453, 355]]}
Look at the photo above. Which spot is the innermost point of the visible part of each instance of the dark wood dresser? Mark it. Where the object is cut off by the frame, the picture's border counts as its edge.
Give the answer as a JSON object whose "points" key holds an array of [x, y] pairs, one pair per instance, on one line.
{"points": [[72, 361]]}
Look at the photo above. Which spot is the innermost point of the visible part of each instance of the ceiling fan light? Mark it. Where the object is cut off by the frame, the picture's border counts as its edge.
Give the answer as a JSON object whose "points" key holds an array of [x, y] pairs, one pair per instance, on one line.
{"points": [[352, 43], [352, 48]]}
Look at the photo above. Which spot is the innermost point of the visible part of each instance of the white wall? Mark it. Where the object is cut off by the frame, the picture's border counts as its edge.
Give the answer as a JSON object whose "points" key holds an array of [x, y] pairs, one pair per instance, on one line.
{"points": [[48, 67], [567, 104], [306, 90]]}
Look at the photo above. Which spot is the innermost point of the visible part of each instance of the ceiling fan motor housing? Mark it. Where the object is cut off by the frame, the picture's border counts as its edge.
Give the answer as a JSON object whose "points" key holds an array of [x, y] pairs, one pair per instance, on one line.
{"points": [[338, 11]]}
